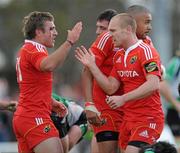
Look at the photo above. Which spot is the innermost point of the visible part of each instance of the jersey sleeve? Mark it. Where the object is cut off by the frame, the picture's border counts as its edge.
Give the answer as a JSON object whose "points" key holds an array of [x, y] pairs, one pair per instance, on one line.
{"points": [[35, 57], [102, 47], [150, 60]]}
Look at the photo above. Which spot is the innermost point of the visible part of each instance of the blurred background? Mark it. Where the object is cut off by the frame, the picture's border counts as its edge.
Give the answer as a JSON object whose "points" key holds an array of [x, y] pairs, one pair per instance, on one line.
{"points": [[165, 36]]}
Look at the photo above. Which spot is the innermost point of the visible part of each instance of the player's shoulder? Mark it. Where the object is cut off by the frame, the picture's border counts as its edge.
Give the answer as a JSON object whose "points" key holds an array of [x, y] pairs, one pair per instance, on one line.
{"points": [[148, 50], [105, 35], [103, 44], [102, 39], [33, 47]]}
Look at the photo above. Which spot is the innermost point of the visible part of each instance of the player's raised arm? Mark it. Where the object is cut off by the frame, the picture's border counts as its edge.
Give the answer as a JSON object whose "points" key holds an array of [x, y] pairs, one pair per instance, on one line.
{"points": [[108, 84]]}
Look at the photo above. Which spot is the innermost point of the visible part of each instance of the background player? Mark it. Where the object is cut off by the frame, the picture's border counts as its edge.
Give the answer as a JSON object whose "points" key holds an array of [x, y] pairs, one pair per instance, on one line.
{"points": [[73, 126]]}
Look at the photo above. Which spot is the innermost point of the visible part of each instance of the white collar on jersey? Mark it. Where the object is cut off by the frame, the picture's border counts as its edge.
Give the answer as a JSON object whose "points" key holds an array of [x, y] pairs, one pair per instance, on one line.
{"points": [[35, 43], [130, 49], [133, 46]]}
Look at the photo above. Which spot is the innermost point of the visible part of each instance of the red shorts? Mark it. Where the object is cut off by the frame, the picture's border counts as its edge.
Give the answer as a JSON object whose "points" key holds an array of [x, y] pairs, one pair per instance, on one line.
{"points": [[31, 131], [113, 121], [144, 131]]}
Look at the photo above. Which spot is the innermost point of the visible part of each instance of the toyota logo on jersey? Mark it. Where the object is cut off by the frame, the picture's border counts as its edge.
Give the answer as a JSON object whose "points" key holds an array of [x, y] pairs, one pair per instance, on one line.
{"points": [[128, 73]]}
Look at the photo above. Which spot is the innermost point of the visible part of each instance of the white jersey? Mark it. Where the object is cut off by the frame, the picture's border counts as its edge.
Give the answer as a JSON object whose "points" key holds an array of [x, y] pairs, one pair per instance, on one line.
{"points": [[74, 112]]}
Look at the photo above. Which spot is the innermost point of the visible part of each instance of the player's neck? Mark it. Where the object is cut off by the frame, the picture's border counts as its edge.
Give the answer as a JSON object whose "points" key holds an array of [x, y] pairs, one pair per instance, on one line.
{"points": [[131, 41]]}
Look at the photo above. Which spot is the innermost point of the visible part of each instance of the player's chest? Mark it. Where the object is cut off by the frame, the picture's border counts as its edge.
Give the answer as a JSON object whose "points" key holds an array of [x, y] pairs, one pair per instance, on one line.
{"points": [[129, 66]]}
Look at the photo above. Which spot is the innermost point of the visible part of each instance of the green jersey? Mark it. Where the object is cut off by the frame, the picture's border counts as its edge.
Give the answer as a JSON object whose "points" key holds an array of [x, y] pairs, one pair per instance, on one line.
{"points": [[173, 75], [74, 110]]}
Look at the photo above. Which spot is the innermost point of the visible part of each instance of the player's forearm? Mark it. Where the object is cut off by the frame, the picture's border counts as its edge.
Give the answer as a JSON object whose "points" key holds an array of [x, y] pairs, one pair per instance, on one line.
{"points": [[165, 91], [56, 58], [144, 90], [102, 80], [87, 83]]}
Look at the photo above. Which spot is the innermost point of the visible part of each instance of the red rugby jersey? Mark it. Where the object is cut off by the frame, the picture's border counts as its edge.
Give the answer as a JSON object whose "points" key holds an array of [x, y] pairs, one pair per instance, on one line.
{"points": [[148, 41], [35, 86], [131, 68]]}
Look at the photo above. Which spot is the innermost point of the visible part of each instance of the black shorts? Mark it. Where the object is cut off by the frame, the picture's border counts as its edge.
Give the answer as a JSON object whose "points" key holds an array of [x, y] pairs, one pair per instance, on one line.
{"points": [[107, 136], [82, 119], [61, 127], [173, 120]]}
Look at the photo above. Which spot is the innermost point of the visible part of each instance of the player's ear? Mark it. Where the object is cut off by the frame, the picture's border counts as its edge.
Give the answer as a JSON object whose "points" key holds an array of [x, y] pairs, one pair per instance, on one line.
{"points": [[129, 28], [38, 32]]}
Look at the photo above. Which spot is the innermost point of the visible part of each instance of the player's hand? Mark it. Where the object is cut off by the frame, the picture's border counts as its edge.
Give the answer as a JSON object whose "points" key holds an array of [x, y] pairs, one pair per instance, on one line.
{"points": [[93, 115], [94, 119], [115, 101], [59, 108], [87, 58], [10, 106], [74, 34]]}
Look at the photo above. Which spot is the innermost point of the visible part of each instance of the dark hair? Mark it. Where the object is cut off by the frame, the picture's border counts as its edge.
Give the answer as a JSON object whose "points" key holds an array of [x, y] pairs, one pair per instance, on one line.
{"points": [[107, 15], [179, 89], [35, 20], [159, 147], [135, 9]]}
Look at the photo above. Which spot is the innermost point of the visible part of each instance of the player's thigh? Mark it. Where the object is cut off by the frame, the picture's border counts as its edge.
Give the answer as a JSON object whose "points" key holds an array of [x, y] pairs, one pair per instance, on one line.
{"points": [[108, 147], [65, 143], [50, 145], [132, 149], [94, 145], [75, 135]]}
